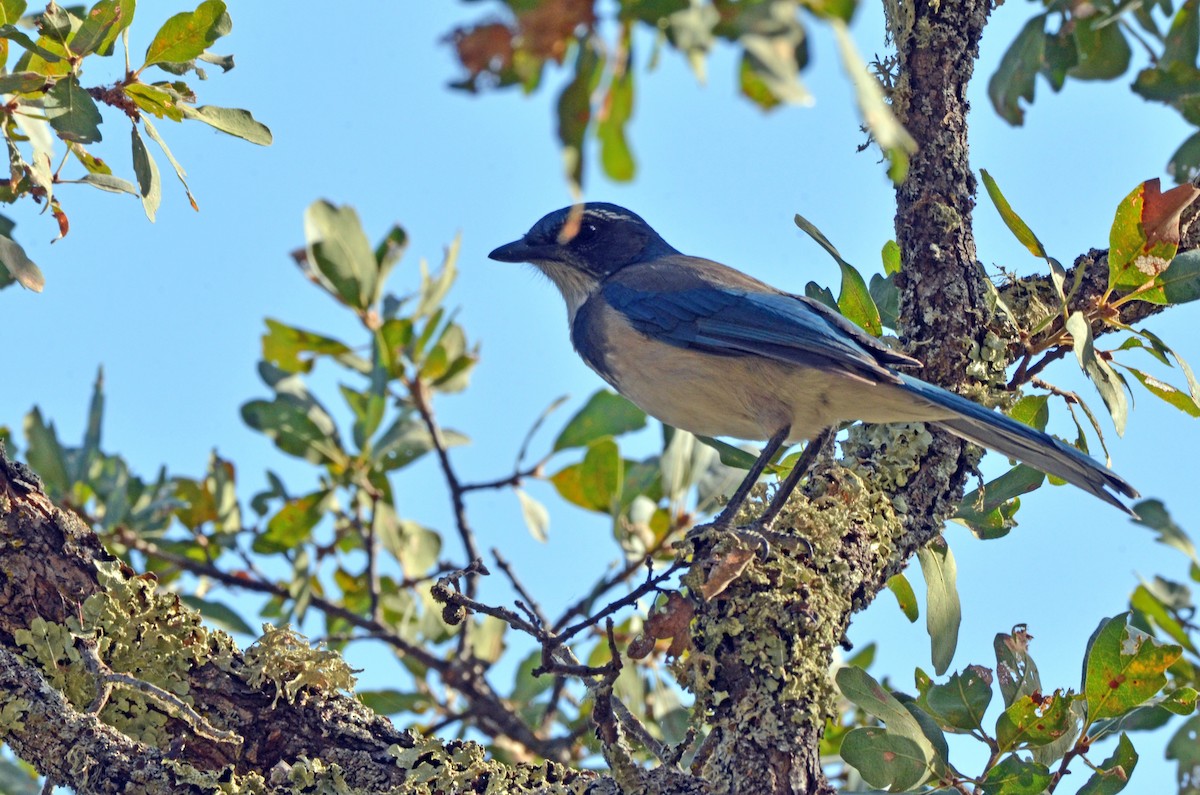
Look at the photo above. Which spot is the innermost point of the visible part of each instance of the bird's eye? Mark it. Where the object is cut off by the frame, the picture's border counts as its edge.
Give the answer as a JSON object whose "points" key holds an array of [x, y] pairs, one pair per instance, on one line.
{"points": [[582, 232]]}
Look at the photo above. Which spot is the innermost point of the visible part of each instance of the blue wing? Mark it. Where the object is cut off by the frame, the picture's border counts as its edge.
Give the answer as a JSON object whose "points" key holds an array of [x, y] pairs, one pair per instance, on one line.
{"points": [[699, 304]]}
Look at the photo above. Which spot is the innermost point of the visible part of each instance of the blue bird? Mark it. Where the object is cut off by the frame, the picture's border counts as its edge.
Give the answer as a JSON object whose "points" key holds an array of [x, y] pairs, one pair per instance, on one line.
{"points": [[708, 349]]}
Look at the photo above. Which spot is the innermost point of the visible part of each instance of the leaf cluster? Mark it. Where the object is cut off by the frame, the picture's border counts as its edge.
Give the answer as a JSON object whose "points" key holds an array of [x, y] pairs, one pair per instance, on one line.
{"points": [[1096, 41], [598, 99], [46, 99], [1130, 681]]}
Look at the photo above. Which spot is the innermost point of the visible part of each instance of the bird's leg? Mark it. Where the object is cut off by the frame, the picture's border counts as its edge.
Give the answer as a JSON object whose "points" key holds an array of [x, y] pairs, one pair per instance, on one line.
{"points": [[727, 515], [803, 465]]}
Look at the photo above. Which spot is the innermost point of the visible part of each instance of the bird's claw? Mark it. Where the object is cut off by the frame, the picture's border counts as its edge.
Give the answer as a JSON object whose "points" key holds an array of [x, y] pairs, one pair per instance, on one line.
{"points": [[750, 535]]}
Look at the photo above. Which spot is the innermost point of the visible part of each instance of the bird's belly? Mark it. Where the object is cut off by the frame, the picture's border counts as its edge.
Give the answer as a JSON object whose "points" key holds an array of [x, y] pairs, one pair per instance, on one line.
{"points": [[750, 397]]}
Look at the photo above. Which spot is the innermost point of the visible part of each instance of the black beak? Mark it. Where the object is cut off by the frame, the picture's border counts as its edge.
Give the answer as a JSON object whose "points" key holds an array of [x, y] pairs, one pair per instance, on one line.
{"points": [[516, 251]]}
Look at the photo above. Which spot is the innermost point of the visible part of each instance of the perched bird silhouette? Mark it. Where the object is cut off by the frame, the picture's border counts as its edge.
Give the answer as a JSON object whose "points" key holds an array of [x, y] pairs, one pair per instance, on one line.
{"points": [[708, 349]]}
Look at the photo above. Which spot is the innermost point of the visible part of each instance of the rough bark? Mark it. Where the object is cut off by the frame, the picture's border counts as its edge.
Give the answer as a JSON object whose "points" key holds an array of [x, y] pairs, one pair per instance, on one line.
{"points": [[59, 587]]}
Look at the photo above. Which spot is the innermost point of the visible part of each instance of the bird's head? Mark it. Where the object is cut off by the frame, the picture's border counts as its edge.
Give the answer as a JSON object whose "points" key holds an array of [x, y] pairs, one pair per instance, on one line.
{"points": [[579, 246]]}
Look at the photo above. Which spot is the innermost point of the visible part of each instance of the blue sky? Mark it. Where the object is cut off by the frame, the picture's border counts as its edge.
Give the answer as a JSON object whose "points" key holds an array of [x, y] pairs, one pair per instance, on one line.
{"points": [[358, 105]]}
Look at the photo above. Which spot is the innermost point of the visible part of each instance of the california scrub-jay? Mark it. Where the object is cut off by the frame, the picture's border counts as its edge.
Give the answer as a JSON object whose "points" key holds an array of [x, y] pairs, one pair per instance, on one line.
{"points": [[708, 349]]}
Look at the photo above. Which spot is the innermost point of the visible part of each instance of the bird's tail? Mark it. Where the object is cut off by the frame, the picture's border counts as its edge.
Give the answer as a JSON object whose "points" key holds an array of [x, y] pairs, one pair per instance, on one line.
{"points": [[995, 431]]}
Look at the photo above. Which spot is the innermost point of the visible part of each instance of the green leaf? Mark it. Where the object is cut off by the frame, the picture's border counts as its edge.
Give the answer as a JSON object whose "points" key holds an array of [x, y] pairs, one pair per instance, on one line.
{"points": [[90, 449], [769, 72], [338, 248], [1014, 222], [605, 414], [615, 155], [885, 760], [900, 760], [93, 164], [154, 100], [877, 114], [1161, 389], [732, 456], [537, 518], [299, 427], [855, 300], [295, 350], [1113, 773], [1016, 673], [886, 296], [1016, 776], [394, 702], [959, 704], [232, 121], [414, 546], [486, 640], [1184, 749], [575, 108], [902, 589], [22, 82], [601, 474], [12, 34], [823, 294], [943, 614], [1153, 514], [1032, 410], [435, 288], [107, 182], [1181, 280], [368, 408], [220, 615], [1034, 720], [1184, 165], [179, 172], [1107, 382], [185, 36], [146, 170], [1182, 44], [292, 526], [891, 258], [72, 112], [11, 11], [1124, 668], [14, 260], [1149, 606], [1145, 236], [406, 440], [101, 25], [45, 455], [977, 508], [1015, 76], [1103, 51]]}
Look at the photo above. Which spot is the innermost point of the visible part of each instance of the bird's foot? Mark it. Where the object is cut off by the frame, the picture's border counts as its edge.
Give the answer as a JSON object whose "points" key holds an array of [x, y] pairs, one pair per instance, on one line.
{"points": [[748, 535]]}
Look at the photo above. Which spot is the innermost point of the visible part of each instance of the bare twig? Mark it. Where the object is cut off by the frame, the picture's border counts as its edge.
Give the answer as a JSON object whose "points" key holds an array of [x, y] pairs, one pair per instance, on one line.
{"points": [[651, 584], [509, 480], [420, 395], [519, 587]]}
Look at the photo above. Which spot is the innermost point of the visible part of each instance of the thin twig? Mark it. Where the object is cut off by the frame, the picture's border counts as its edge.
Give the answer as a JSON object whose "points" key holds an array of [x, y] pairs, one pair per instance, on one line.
{"points": [[132, 541], [509, 480], [372, 544], [580, 606], [420, 398], [1040, 365], [651, 584], [519, 587]]}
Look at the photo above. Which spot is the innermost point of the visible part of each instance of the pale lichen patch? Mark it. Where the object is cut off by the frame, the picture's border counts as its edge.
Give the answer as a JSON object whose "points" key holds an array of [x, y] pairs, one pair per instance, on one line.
{"points": [[284, 658]]}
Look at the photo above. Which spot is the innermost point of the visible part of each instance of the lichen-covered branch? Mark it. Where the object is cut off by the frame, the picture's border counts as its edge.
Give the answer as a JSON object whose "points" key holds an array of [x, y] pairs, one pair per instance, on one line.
{"points": [[60, 588]]}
